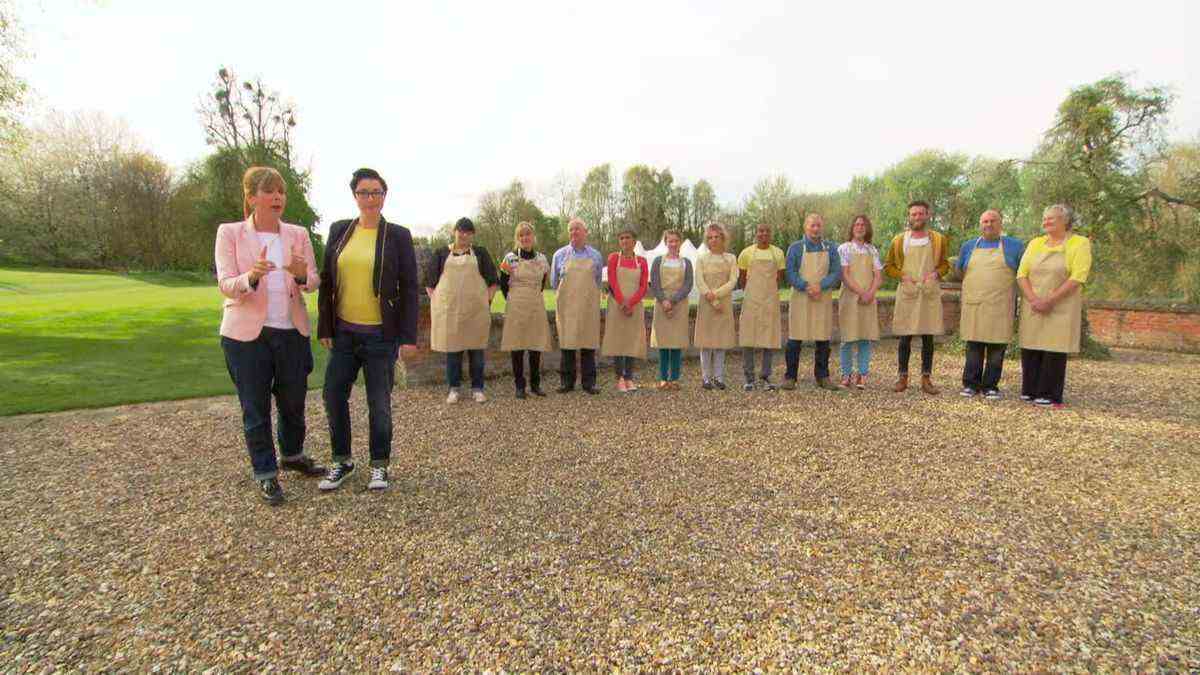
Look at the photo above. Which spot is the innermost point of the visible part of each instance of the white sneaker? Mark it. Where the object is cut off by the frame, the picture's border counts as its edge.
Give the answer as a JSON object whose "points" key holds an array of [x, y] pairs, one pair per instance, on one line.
{"points": [[379, 479], [478, 396], [452, 397]]}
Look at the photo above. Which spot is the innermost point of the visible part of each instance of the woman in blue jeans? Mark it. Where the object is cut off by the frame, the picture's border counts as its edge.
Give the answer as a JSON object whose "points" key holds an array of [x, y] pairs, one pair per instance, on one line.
{"points": [[368, 312]]}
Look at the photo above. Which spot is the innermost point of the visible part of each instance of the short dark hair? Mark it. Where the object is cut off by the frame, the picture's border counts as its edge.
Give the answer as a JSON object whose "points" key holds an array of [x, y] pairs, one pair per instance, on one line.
{"points": [[366, 174], [627, 230], [919, 202], [464, 225]]}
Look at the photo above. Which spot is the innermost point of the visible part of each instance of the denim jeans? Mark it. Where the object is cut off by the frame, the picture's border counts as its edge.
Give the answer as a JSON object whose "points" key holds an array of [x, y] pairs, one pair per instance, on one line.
{"points": [[376, 356], [276, 362], [623, 365], [670, 362], [846, 357], [748, 363], [791, 358], [984, 365], [454, 368]]}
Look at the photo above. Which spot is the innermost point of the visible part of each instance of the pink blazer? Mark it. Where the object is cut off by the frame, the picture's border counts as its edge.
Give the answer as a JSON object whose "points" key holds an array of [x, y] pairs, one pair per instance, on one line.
{"points": [[246, 308]]}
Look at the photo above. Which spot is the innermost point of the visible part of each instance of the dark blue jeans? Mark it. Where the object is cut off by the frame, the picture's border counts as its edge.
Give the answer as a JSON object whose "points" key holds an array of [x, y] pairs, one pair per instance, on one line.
{"points": [[454, 368], [276, 362], [376, 356]]}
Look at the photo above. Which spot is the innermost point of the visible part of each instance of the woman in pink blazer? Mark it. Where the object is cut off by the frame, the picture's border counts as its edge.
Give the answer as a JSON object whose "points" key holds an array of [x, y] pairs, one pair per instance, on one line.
{"points": [[263, 266]]}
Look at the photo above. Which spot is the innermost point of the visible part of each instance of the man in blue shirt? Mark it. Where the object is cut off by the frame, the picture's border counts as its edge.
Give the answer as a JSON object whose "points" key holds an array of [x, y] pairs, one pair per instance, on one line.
{"points": [[813, 271], [988, 264], [575, 273]]}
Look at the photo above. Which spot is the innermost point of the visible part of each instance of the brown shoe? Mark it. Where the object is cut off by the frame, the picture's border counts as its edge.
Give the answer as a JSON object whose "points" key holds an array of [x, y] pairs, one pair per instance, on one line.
{"points": [[927, 386], [901, 384]]}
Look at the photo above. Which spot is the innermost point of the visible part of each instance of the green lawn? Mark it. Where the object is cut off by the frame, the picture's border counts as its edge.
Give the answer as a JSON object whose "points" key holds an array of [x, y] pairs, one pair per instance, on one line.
{"points": [[90, 339], [71, 339]]}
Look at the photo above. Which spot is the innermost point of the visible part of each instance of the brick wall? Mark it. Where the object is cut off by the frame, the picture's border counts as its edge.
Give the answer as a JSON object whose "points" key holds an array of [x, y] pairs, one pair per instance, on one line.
{"points": [[1117, 324], [1173, 328]]}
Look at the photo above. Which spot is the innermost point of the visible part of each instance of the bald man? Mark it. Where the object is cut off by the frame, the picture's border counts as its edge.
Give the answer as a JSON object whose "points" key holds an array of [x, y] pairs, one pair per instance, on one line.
{"points": [[988, 265]]}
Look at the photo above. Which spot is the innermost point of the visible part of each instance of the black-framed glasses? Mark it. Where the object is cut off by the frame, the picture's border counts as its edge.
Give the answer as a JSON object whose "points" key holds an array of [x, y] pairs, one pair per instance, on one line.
{"points": [[368, 194]]}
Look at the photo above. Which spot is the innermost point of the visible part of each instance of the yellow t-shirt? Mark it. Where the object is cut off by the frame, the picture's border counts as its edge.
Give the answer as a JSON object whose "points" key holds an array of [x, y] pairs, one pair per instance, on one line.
{"points": [[356, 300], [753, 252], [1078, 251]]}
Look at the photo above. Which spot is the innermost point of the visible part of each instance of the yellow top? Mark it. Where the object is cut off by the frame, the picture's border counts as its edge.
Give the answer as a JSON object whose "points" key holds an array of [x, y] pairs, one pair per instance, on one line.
{"points": [[753, 252], [356, 300], [1078, 251]]}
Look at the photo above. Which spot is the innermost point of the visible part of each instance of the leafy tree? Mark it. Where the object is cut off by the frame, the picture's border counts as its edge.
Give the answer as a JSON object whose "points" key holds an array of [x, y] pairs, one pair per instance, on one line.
{"points": [[12, 87], [249, 124]]}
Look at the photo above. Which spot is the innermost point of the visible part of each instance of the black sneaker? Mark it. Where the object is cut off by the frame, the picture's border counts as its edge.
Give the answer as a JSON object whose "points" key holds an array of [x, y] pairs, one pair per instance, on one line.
{"points": [[270, 491], [993, 395], [749, 386], [564, 389], [1026, 397], [719, 385], [336, 476], [536, 391], [520, 393], [707, 385], [302, 464], [967, 392]]}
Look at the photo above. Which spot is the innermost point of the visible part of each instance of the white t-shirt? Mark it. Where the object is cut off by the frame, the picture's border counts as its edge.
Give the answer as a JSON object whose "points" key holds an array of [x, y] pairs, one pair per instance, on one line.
{"points": [[847, 249], [278, 312], [910, 241]]}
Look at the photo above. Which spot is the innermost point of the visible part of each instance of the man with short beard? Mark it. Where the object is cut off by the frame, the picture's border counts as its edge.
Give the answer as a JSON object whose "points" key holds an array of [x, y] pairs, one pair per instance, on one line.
{"points": [[917, 257]]}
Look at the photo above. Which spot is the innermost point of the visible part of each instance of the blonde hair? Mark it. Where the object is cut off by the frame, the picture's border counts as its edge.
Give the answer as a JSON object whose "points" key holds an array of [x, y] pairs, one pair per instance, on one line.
{"points": [[522, 226], [719, 229], [257, 178], [674, 233]]}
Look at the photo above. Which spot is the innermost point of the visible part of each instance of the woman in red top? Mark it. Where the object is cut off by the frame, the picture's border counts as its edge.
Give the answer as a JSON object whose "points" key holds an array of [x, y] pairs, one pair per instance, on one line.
{"points": [[625, 325]]}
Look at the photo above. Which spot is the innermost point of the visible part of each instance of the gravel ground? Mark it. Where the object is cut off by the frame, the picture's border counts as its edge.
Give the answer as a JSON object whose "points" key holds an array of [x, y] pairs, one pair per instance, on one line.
{"points": [[805, 529]]}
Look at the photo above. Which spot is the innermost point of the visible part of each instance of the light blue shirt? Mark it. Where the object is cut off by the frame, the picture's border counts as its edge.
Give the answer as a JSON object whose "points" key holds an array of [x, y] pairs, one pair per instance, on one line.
{"points": [[564, 255]]}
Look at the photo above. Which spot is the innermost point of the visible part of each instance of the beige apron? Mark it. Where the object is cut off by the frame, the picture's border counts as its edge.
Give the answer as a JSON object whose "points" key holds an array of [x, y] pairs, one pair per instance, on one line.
{"points": [[1057, 331], [714, 325], [918, 309], [670, 332], [577, 316], [459, 314], [625, 335], [760, 322], [525, 324], [857, 321], [810, 319], [987, 297]]}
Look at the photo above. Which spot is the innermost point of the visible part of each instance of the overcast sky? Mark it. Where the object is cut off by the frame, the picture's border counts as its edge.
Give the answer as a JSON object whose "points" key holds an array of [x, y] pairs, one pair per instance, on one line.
{"points": [[450, 99]]}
